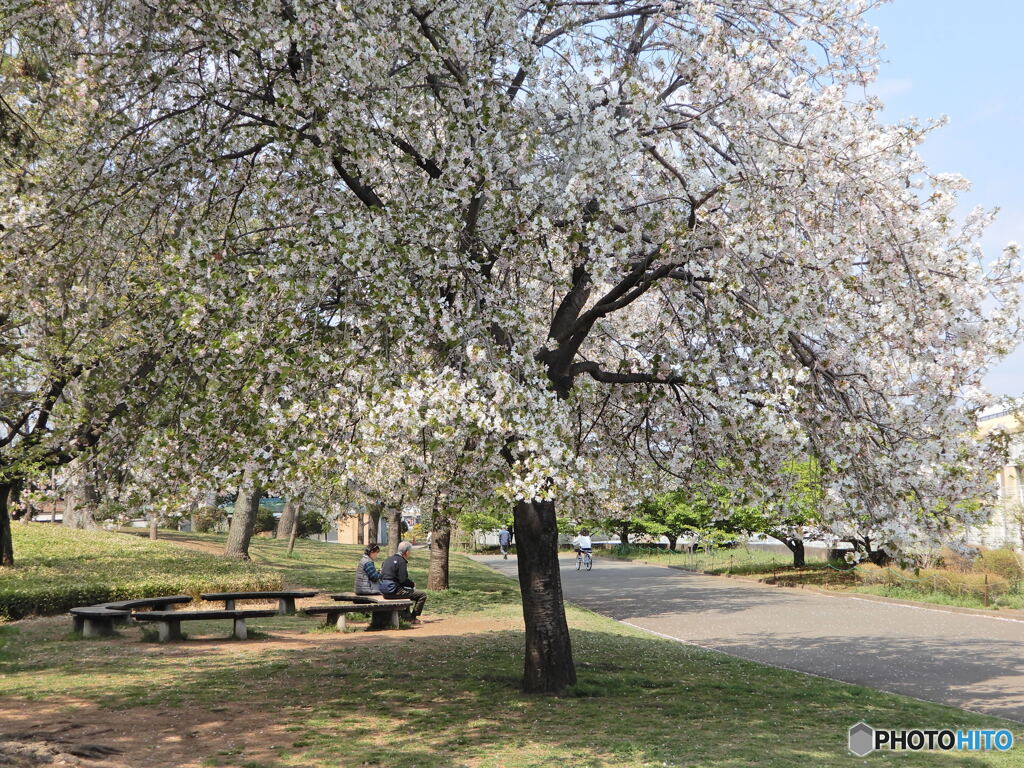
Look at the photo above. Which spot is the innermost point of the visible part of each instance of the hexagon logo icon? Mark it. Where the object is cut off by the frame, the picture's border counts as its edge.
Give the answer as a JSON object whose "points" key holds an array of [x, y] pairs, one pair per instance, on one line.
{"points": [[862, 739]]}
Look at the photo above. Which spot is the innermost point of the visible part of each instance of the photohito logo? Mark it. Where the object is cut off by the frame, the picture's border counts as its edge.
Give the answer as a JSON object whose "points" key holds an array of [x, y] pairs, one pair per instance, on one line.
{"points": [[864, 739]]}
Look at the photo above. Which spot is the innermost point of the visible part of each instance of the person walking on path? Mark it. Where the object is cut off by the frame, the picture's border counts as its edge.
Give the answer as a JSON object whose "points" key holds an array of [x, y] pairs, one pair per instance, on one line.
{"points": [[395, 583], [505, 541], [367, 575]]}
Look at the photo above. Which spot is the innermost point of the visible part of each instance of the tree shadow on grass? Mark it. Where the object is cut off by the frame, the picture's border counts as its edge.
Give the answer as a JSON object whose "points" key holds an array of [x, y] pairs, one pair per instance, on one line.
{"points": [[449, 701]]}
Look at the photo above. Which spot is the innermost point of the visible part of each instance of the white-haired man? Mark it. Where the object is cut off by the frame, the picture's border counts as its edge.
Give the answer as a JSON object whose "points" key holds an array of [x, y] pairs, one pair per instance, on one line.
{"points": [[395, 583]]}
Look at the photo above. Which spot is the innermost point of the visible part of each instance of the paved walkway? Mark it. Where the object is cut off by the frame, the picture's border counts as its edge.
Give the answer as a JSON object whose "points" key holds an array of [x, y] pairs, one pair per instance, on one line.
{"points": [[969, 661]]}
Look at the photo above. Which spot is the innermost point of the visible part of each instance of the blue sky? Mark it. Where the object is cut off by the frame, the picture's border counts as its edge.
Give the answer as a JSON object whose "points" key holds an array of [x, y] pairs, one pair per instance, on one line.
{"points": [[964, 60]]}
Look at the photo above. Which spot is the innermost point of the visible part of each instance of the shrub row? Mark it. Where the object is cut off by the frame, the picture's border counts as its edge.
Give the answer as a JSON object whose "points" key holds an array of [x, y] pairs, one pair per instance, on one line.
{"points": [[955, 583]]}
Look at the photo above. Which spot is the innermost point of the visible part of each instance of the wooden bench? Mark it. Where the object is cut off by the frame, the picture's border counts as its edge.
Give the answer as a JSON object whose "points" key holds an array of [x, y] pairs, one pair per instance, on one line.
{"points": [[337, 613], [156, 603], [153, 603], [285, 600], [170, 621], [97, 620]]}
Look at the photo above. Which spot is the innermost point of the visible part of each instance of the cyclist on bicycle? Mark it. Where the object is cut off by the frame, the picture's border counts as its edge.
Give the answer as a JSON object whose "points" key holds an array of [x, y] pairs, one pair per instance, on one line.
{"points": [[582, 542]]}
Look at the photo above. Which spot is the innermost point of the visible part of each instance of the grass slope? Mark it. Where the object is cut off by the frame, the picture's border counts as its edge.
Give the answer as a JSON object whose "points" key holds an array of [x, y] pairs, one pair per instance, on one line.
{"points": [[400, 700], [58, 568]]}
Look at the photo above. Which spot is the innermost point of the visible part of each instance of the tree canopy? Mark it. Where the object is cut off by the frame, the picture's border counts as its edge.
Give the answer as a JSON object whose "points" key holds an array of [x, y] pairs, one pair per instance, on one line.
{"points": [[643, 235]]}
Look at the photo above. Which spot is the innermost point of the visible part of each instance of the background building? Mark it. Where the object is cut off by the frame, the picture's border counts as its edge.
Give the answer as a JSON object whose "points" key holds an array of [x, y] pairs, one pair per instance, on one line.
{"points": [[1006, 528]]}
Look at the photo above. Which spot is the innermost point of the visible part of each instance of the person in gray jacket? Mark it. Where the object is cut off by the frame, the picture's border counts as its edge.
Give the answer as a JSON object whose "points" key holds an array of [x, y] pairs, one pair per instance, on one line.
{"points": [[367, 575]]}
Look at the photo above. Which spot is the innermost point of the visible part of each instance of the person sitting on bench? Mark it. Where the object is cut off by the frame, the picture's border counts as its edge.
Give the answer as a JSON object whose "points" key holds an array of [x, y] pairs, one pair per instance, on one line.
{"points": [[367, 575], [395, 583]]}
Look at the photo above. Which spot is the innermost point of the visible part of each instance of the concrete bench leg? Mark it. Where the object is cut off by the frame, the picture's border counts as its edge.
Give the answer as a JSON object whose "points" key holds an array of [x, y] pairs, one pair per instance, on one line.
{"points": [[169, 630], [342, 622], [95, 627], [240, 632], [285, 606], [394, 619], [229, 605], [79, 624]]}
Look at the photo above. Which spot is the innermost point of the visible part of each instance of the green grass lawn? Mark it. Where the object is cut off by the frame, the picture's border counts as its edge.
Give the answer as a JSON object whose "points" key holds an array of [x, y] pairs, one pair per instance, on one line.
{"points": [[58, 568], [401, 699]]}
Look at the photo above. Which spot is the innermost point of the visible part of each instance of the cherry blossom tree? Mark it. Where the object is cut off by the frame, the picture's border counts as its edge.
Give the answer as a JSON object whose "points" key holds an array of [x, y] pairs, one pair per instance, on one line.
{"points": [[646, 234]]}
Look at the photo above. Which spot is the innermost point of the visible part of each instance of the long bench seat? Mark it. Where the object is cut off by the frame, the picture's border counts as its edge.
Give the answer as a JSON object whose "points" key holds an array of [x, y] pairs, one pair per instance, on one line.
{"points": [[170, 621], [337, 613], [285, 598], [153, 603], [156, 603]]}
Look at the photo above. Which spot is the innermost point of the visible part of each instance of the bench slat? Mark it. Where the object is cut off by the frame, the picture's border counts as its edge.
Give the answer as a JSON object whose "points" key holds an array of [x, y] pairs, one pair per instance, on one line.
{"points": [[257, 595], [146, 602], [200, 615], [285, 599], [169, 622]]}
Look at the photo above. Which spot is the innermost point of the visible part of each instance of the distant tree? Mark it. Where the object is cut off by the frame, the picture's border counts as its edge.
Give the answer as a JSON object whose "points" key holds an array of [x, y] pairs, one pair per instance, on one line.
{"points": [[787, 514]]}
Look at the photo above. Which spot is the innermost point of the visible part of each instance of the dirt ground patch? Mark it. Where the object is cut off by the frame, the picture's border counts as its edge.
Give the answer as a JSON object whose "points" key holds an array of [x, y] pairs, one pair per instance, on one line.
{"points": [[75, 732]]}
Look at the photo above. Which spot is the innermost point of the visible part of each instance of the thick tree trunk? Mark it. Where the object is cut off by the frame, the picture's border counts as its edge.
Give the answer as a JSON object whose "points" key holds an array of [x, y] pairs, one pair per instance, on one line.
{"points": [[374, 515], [624, 534], [6, 542], [72, 506], [79, 511], [549, 666], [14, 505], [361, 528], [244, 517], [440, 547], [394, 530], [288, 519], [796, 546], [672, 539], [879, 557], [293, 532], [152, 527]]}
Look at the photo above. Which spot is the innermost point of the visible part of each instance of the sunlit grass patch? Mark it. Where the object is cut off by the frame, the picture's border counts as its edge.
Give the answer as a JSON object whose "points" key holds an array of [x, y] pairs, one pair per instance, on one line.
{"points": [[58, 568]]}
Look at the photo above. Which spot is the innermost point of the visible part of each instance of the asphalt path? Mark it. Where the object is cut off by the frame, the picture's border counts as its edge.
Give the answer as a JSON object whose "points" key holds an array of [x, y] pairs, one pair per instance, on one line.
{"points": [[966, 660]]}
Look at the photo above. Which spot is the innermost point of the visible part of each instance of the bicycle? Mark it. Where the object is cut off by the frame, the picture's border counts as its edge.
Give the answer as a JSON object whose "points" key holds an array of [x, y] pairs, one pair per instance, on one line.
{"points": [[584, 559]]}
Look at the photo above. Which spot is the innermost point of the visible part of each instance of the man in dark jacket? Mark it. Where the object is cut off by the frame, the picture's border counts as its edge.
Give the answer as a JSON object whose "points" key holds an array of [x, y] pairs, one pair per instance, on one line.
{"points": [[395, 583]]}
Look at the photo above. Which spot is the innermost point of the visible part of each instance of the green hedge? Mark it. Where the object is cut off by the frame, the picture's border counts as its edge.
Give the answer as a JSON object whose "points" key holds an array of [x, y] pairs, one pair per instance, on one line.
{"points": [[58, 568]]}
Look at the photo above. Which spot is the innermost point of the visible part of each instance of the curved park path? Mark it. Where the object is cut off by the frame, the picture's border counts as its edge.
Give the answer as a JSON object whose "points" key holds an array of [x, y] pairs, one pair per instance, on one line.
{"points": [[967, 660]]}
